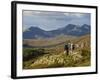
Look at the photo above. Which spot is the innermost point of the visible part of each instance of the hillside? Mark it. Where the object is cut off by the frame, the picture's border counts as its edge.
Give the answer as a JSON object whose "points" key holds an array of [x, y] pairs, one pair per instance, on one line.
{"points": [[85, 40], [50, 57], [48, 41], [60, 40]]}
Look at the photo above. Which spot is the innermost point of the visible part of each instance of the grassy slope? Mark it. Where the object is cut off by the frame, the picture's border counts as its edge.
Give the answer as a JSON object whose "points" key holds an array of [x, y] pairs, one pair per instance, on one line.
{"points": [[48, 41], [56, 58]]}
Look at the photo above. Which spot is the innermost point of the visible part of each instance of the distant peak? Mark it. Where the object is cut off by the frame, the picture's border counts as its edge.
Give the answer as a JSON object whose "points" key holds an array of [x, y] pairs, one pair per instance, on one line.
{"points": [[71, 25], [33, 27], [86, 25]]}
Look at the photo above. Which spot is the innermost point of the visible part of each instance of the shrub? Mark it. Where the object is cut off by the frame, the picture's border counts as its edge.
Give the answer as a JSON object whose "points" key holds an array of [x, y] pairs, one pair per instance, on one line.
{"points": [[29, 53]]}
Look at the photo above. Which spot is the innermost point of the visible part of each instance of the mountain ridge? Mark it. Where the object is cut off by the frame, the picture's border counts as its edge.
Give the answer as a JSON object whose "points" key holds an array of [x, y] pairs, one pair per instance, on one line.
{"points": [[70, 29]]}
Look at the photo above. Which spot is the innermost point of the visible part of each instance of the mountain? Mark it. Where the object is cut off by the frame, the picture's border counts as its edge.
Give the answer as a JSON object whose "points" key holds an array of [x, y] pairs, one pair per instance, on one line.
{"points": [[70, 29], [76, 30], [35, 32]]}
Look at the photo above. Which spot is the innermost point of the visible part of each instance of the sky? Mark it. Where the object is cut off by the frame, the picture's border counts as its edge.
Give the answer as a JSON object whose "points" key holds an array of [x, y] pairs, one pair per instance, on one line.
{"points": [[50, 20]]}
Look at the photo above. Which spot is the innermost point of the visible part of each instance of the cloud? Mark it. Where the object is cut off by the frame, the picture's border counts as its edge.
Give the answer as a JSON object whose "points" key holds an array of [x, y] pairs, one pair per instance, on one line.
{"points": [[79, 15], [74, 14], [49, 20], [41, 13], [27, 13], [67, 14], [30, 13]]}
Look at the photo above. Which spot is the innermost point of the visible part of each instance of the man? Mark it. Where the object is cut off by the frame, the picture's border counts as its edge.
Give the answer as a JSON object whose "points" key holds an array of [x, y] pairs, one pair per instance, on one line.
{"points": [[66, 49], [72, 48]]}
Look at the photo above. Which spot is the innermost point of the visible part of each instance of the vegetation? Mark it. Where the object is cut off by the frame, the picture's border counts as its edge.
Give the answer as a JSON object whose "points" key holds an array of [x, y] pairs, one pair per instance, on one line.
{"points": [[35, 58], [30, 53], [50, 60]]}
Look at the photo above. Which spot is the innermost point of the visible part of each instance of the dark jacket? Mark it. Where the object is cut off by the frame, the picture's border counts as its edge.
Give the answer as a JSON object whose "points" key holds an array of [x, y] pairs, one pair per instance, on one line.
{"points": [[66, 47]]}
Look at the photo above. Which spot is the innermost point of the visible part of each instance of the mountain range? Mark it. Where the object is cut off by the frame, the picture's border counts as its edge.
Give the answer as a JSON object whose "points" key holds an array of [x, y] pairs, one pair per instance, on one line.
{"points": [[70, 30]]}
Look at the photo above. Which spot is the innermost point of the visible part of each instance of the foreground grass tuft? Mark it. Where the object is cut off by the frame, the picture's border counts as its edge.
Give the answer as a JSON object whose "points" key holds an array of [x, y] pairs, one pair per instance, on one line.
{"points": [[51, 60]]}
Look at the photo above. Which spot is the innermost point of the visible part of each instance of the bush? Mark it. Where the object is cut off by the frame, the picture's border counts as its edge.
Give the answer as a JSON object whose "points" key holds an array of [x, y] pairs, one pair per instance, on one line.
{"points": [[86, 54], [29, 53]]}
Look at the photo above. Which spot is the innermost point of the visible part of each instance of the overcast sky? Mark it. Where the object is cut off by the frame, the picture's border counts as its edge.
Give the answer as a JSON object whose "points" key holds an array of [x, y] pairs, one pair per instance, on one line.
{"points": [[48, 20]]}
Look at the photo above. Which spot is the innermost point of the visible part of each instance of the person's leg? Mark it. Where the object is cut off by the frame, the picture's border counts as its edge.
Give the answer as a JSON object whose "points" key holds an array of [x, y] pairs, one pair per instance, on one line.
{"points": [[67, 52]]}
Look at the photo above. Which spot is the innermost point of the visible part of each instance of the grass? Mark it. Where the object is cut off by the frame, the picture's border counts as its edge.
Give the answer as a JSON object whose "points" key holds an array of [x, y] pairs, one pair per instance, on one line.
{"points": [[48, 58]]}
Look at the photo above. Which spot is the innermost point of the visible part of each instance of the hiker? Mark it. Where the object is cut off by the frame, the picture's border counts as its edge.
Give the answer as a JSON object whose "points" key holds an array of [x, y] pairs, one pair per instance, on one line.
{"points": [[66, 49], [72, 47], [69, 48]]}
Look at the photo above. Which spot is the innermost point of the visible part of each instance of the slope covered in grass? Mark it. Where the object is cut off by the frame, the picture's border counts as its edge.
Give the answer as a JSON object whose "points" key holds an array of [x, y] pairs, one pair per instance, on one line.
{"points": [[52, 57], [77, 59]]}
